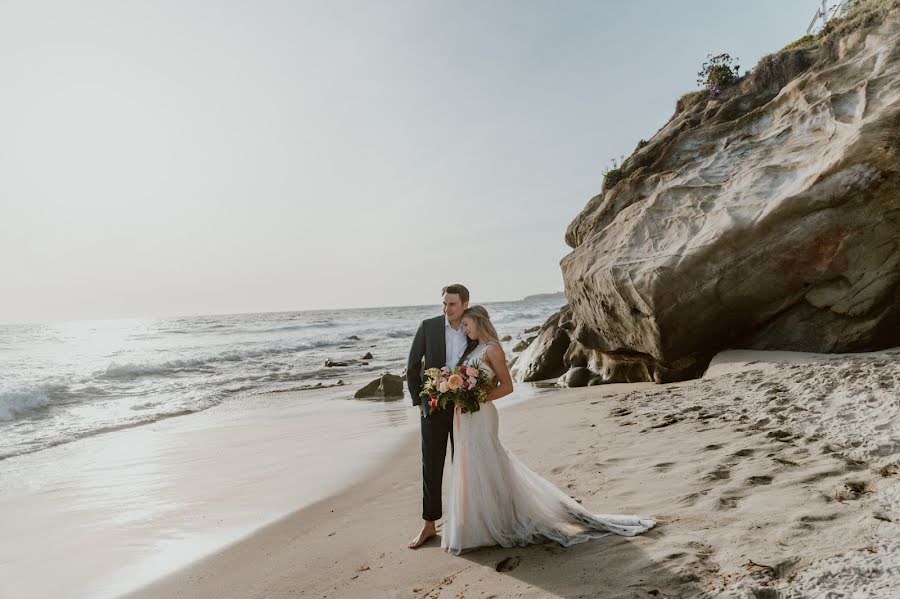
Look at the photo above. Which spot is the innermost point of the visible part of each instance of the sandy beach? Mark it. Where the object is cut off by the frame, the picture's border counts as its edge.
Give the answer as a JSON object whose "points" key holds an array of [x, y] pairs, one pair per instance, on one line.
{"points": [[236, 233], [764, 482]]}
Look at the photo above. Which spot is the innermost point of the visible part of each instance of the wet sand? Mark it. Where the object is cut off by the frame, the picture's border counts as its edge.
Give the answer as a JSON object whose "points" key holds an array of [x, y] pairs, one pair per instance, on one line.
{"points": [[775, 472], [112, 512]]}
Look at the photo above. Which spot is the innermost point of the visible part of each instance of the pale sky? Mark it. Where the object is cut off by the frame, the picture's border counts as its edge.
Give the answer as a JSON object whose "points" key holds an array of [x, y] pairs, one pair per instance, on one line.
{"points": [[186, 157]]}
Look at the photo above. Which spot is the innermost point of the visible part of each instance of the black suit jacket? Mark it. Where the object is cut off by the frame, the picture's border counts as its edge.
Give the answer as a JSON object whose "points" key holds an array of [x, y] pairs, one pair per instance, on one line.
{"points": [[429, 350]]}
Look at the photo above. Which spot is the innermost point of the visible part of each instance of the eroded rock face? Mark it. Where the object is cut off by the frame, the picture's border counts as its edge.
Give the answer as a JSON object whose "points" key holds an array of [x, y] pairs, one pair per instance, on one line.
{"points": [[765, 219], [543, 358]]}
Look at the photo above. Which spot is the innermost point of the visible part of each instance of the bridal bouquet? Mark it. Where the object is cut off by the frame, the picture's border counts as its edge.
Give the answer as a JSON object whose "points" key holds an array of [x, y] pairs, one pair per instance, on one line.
{"points": [[466, 386]]}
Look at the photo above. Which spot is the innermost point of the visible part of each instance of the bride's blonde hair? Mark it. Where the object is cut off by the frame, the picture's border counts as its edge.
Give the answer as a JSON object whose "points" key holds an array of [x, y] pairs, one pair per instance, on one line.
{"points": [[482, 320]]}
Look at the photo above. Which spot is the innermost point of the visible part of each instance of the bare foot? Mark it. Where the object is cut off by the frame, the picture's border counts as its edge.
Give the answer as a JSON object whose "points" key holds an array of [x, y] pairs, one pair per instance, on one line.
{"points": [[426, 533]]}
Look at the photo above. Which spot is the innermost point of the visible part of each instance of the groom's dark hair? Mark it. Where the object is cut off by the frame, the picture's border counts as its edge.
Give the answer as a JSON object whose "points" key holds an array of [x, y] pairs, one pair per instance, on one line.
{"points": [[459, 290]]}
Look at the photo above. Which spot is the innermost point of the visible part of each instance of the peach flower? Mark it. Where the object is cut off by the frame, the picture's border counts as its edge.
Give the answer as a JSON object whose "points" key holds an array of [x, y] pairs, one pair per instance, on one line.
{"points": [[471, 371], [455, 382]]}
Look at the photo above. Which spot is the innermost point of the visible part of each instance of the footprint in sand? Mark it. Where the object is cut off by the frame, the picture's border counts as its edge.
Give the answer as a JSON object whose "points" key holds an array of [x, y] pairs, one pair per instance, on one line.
{"points": [[819, 517], [507, 565], [689, 499], [759, 480], [664, 466], [780, 435], [852, 490], [720, 473], [728, 502], [814, 478]]}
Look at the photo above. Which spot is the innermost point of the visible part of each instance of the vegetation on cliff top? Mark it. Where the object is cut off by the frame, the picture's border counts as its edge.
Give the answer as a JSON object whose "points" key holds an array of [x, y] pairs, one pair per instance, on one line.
{"points": [[727, 96]]}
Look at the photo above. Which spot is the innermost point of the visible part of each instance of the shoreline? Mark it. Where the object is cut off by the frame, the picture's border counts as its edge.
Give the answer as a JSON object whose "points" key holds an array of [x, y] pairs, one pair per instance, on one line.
{"points": [[741, 506], [123, 508]]}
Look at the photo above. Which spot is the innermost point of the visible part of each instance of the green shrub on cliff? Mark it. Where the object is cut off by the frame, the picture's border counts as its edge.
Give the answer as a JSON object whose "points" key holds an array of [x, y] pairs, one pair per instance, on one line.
{"points": [[614, 173], [805, 41], [718, 73]]}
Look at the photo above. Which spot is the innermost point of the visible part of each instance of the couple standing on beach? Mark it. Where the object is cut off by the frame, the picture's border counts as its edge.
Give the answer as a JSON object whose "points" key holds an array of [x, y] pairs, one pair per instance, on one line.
{"points": [[493, 499]]}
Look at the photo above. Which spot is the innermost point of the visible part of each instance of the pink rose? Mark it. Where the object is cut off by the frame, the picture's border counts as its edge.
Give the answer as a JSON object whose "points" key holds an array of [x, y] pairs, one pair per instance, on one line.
{"points": [[472, 381], [471, 371], [454, 382]]}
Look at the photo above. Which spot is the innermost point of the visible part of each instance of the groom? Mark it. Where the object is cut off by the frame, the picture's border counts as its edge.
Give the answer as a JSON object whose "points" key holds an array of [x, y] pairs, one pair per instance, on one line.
{"points": [[441, 342]]}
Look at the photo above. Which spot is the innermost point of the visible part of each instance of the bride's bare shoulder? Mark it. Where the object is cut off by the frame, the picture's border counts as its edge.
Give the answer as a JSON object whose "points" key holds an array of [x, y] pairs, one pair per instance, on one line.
{"points": [[495, 349]]}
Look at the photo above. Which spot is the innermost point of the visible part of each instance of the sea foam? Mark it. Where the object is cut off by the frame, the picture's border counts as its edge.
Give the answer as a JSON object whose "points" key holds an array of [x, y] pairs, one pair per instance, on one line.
{"points": [[15, 402]]}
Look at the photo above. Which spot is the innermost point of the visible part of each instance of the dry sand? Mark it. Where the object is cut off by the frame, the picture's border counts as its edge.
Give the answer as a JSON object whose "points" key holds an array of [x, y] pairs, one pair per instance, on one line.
{"points": [[776, 475]]}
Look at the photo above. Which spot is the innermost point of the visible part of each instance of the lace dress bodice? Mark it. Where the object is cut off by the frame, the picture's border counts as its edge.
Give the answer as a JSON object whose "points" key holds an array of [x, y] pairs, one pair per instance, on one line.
{"points": [[476, 358]]}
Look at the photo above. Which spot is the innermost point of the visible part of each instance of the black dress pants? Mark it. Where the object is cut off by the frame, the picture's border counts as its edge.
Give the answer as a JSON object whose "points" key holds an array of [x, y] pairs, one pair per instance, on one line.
{"points": [[437, 427]]}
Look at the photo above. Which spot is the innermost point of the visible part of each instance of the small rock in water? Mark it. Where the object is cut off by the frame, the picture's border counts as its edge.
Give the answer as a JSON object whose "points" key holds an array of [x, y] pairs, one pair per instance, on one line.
{"points": [[368, 356]]}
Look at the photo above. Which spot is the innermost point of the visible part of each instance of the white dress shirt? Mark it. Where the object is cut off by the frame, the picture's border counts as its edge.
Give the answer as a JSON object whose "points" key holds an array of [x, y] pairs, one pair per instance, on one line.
{"points": [[455, 342]]}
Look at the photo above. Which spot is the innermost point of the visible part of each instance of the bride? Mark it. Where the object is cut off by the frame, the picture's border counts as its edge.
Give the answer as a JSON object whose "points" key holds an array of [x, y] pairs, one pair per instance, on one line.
{"points": [[494, 499]]}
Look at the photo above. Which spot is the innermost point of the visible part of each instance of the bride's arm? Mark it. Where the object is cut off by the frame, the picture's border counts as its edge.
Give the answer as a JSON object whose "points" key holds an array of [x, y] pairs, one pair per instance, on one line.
{"points": [[496, 359]]}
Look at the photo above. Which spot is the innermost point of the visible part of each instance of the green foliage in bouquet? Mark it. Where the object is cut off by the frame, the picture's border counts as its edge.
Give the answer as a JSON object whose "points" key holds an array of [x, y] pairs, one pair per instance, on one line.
{"points": [[466, 386]]}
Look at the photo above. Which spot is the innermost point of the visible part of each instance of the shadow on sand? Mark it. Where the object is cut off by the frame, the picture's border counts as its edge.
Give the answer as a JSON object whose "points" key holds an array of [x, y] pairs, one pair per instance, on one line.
{"points": [[610, 567]]}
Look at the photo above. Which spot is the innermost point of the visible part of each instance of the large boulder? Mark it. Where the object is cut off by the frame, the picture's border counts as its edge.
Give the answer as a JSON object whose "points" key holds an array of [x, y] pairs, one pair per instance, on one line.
{"points": [[766, 218], [577, 376], [543, 358], [387, 386]]}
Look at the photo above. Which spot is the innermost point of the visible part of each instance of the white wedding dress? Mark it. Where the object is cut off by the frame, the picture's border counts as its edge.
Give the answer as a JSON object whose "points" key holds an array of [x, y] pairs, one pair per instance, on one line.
{"points": [[494, 499]]}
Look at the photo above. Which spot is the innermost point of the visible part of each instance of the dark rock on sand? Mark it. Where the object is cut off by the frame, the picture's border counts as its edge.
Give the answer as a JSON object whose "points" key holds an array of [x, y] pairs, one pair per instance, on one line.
{"points": [[387, 386], [521, 345]]}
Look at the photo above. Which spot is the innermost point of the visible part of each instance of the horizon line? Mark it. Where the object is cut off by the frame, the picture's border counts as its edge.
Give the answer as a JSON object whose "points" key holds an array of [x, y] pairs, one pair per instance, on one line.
{"points": [[197, 315]]}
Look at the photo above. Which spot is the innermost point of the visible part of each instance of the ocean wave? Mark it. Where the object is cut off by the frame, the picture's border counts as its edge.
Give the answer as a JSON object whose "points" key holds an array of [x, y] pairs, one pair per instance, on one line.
{"points": [[295, 327], [517, 316], [206, 363], [131, 370], [400, 334], [69, 437], [249, 329], [17, 402]]}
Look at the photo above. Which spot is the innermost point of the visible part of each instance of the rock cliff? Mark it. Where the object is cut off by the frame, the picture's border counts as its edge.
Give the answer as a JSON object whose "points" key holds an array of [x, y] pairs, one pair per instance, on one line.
{"points": [[767, 217]]}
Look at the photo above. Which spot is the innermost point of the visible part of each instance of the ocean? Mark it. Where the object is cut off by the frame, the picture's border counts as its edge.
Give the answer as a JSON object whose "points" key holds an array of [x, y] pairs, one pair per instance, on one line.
{"points": [[122, 492], [66, 381]]}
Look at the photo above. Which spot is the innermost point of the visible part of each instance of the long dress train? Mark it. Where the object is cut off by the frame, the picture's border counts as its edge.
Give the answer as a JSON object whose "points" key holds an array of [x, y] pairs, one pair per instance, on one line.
{"points": [[495, 499]]}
